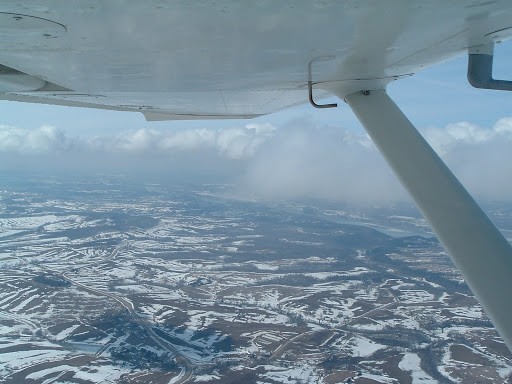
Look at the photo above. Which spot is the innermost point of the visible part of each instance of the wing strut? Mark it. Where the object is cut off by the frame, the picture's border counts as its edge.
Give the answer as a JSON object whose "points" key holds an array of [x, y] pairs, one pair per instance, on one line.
{"points": [[475, 245]]}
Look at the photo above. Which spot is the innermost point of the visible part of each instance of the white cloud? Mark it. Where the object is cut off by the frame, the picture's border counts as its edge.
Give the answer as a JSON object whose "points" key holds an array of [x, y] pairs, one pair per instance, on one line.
{"points": [[189, 140], [444, 139], [243, 143], [138, 141], [320, 162], [504, 126], [296, 160], [43, 139], [234, 143], [480, 157]]}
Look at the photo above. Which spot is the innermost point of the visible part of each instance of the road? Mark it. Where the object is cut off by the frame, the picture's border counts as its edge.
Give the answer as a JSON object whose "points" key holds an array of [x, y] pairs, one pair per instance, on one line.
{"points": [[279, 351], [187, 372]]}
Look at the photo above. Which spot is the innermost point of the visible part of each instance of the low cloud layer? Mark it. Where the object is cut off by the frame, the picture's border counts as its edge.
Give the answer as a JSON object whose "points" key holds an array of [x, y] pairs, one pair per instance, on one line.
{"points": [[233, 143], [39, 141], [269, 162], [480, 157]]}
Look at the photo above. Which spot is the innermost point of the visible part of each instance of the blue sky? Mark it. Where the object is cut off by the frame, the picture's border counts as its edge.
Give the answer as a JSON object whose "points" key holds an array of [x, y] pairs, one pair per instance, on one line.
{"points": [[298, 152]]}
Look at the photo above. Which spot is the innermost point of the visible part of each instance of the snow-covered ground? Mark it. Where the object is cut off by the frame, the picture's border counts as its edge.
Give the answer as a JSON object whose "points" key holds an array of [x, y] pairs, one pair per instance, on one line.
{"points": [[111, 288]]}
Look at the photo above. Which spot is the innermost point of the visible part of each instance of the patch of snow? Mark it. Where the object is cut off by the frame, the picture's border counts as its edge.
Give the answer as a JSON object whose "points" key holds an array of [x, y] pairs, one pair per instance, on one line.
{"points": [[203, 378], [360, 346], [266, 267], [411, 363], [294, 375], [48, 371], [474, 312], [66, 332]]}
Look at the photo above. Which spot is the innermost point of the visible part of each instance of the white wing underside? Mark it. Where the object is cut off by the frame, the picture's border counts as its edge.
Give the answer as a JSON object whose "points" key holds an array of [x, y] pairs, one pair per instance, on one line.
{"points": [[226, 59]]}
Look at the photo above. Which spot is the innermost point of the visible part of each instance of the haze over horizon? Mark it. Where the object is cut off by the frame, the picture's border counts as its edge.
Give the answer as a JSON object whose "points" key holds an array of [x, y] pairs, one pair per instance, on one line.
{"points": [[265, 161]]}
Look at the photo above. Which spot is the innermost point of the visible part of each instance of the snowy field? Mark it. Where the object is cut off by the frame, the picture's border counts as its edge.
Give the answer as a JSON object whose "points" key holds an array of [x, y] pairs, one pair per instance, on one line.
{"points": [[114, 285]]}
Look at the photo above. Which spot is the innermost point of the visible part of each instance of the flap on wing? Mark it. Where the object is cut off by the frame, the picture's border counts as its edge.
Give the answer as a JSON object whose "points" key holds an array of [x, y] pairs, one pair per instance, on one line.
{"points": [[161, 116]]}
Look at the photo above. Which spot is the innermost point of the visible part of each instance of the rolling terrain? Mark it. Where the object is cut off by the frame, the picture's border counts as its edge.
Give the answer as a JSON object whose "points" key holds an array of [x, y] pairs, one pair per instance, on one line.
{"points": [[105, 280]]}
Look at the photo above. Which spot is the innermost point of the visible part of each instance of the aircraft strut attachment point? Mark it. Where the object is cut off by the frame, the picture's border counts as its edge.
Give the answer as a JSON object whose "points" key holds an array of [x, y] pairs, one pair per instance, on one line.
{"points": [[480, 60]]}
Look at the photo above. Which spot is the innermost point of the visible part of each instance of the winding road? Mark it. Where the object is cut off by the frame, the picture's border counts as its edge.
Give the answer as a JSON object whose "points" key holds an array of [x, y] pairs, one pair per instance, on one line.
{"points": [[283, 347], [187, 370]]}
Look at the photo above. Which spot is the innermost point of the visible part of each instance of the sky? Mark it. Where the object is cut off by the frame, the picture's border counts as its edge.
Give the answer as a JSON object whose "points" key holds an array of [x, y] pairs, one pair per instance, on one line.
{"points": [[299, 152]]}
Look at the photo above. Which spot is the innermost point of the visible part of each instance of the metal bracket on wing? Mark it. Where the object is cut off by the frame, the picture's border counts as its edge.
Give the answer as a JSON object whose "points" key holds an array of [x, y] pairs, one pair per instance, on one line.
{"points": [[480, 59], [310, 83]]}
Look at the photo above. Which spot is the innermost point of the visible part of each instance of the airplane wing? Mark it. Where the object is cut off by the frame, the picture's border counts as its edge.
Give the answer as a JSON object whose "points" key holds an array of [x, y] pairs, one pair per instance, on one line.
{"points": [[227, 59]]}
